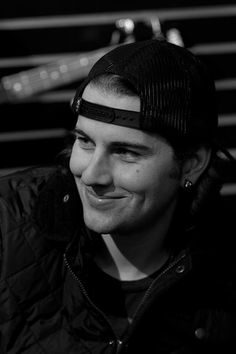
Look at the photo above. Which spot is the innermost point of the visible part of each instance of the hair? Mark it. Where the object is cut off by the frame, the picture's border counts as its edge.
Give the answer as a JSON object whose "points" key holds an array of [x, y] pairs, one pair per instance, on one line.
{"points": [[210, 182]]}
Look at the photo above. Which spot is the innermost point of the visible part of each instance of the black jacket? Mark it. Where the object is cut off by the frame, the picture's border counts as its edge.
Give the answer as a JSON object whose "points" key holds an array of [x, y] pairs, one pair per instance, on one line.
{"points": [[45, 307]]}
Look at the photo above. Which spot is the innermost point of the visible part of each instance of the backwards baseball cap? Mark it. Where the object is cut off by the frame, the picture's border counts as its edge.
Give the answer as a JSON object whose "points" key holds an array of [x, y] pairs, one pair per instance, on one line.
{"points": [[177, 94]]}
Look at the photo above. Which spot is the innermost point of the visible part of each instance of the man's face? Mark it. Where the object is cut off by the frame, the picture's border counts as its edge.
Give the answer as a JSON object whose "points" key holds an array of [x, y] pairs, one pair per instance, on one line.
{"points": [[127, 179]]}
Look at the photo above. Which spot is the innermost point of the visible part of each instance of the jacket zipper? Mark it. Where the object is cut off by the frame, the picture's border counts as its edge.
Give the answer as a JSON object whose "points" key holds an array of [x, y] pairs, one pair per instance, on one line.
{"points": [[145, 297], [117, 341], [149, 290]]}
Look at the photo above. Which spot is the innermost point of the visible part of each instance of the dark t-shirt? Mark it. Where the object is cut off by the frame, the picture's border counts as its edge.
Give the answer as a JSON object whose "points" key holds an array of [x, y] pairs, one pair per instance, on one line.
{"points": [[118, 300]]}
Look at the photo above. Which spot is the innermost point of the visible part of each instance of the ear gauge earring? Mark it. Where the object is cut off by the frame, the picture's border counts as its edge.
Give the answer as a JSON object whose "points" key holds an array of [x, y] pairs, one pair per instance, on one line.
{"points": [[187, 184]]}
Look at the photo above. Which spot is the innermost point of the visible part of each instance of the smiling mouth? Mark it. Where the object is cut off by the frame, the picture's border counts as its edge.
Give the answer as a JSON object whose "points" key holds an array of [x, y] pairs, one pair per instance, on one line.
{"points": [[104, 197], [98, 201]]}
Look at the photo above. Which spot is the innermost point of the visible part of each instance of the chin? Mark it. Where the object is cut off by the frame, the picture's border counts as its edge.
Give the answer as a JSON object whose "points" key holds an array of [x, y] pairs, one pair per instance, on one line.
{"points": [[100, 229], [109, 223], [99, 226], [109, 227]]}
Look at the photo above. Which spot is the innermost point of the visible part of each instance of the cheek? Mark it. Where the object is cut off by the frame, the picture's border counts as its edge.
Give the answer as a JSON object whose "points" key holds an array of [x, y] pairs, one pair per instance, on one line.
{"points": [[150, 180], [165, 187], [133, 179]]}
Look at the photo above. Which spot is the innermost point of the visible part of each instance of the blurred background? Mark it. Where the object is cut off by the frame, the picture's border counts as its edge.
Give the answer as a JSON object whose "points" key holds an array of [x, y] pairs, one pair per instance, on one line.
{"points": [[47, 47]]}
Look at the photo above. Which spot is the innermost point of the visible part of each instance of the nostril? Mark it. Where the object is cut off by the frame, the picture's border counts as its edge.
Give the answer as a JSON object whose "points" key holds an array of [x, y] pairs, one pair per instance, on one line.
{"points": [[96, 179], [97, 174]]}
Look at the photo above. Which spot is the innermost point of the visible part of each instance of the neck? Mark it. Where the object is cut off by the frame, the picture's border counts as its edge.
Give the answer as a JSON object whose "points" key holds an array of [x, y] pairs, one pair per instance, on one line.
{"points": [[132, 256]]}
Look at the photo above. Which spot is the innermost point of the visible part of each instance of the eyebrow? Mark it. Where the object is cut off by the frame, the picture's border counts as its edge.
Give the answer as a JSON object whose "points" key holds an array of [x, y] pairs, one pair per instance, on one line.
{"points": [[123, 144]]}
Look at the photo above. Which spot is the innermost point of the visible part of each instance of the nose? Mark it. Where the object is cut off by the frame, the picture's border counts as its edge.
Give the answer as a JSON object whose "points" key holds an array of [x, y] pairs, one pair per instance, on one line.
{"points": [[98, 170]]}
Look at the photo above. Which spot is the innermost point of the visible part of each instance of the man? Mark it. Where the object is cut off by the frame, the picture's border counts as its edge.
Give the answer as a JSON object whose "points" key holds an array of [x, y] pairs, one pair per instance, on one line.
{"points": [[120, 250]]}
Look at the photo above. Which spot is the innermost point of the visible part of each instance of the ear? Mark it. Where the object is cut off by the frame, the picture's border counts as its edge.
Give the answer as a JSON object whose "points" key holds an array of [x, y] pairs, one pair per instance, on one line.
{"points": [[196, 165]]}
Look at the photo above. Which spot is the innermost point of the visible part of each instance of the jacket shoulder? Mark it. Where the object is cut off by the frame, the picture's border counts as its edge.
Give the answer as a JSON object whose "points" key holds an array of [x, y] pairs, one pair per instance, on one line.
{"points": [[35, 215], [19, 191]]}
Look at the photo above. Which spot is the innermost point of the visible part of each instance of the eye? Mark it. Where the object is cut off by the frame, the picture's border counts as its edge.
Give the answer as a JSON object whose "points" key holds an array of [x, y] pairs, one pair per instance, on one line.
{"points": [[84, 142], [127, 154]]}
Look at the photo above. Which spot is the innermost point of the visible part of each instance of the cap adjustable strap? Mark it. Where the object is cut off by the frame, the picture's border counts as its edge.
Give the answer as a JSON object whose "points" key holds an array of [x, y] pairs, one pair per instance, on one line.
{"points": [[107, 114]]}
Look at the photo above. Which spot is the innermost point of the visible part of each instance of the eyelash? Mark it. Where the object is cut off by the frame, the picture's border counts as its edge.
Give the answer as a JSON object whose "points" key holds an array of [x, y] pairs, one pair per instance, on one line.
{"points": [[123, 151], [83, 141]]}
